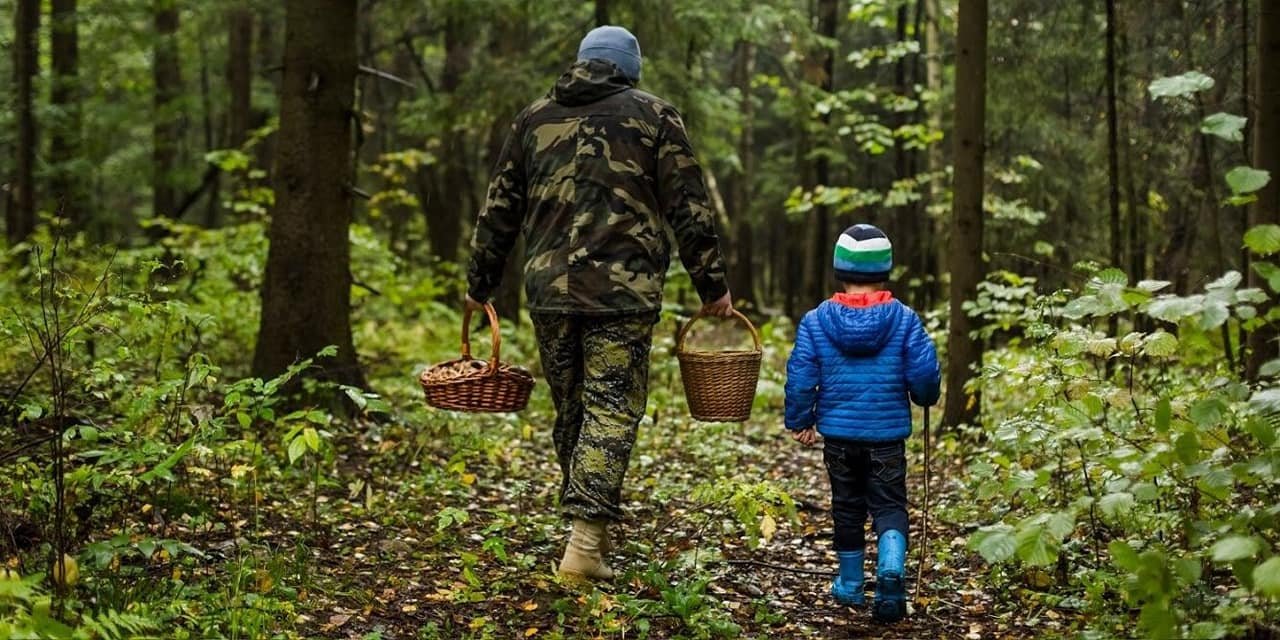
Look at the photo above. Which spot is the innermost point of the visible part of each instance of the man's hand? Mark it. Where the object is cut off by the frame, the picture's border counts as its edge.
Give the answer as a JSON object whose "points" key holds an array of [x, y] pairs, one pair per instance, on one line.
{"points": [[805, 437], [722, 308], [474, 306]]}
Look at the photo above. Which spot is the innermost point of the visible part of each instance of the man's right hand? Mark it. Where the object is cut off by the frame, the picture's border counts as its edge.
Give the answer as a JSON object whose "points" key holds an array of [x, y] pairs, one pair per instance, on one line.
{"points": [[474, 306], [722, 308]]}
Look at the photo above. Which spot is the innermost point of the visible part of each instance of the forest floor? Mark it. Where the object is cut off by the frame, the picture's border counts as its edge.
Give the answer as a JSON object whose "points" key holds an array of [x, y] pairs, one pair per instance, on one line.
{"points": [[420, 535]]}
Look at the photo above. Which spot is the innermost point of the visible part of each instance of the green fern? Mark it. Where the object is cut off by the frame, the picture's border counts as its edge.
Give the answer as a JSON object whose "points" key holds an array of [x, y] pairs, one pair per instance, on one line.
{"points": [[117, 625]]}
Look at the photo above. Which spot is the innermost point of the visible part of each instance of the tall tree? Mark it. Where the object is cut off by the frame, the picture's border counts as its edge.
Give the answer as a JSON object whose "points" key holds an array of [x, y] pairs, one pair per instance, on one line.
{"points": [[306, 290], [965, 248], [818, 258], [935, 157], [445, 188], [602, 12], [1113, 143], [742, 275], [64, 133], [239, 73], [1266, 156], [166, 131], [20, 218]]}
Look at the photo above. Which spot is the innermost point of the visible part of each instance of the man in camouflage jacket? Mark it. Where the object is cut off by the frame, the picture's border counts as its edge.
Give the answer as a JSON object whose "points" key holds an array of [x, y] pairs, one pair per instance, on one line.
{"points": [[594, 174]]}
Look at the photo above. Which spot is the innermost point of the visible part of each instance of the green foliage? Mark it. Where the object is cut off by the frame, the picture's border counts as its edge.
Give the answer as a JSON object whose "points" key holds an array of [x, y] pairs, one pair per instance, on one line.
{"points": [[1179, 86], [1263, 239], [1246, 180], [1228, 126], [26, 612], [1114, 442]]}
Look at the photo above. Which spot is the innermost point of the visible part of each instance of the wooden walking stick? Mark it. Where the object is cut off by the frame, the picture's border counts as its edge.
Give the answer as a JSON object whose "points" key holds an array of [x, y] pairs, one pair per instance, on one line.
{"points": [[924, 525]]}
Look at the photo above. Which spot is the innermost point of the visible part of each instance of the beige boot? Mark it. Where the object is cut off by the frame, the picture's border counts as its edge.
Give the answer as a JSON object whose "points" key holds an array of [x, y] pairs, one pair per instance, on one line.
{"points": [[606, 541], [582, 556]]}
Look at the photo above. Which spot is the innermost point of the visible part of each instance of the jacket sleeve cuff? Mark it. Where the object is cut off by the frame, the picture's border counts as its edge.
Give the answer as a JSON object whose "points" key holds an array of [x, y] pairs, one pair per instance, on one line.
{"points": [[479, 292], [712, 291]]}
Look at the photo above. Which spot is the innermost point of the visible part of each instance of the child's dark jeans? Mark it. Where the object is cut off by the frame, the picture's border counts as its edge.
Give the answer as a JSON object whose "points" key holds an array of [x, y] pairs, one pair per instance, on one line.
{"points": [[866, 478]]}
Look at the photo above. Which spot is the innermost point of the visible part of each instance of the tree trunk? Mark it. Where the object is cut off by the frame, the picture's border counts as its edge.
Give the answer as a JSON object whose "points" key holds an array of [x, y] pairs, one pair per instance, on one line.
{"points": [[509, 38], [446, 190], [64, 94], [1266, 156], [818, 254], [239, 74], [935, 158], [20, 218], [965, 252], [213, 176], [1113, 143], [167, 121], [268, 56], [602, 12], [1135, 195], [742, 275], [306, 290], [907, 223]]}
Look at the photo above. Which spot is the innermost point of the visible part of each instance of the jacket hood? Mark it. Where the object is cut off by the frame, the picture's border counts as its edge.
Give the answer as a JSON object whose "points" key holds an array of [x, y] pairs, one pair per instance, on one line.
{"points": [[859, 331], [588, 81]]}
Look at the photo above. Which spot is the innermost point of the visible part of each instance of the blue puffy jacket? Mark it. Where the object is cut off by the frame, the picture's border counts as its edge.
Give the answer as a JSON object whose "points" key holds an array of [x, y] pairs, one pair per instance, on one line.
{"points": [[857, 360]]}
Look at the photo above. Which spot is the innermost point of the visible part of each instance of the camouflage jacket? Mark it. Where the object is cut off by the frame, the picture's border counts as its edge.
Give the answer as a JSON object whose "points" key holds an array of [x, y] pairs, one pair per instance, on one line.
{"points": [[593, 174]]}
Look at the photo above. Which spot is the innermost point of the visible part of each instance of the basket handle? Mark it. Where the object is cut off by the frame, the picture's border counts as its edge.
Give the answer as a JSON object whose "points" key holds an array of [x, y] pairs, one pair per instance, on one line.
{"points": [[684, 331], [493, 331]]}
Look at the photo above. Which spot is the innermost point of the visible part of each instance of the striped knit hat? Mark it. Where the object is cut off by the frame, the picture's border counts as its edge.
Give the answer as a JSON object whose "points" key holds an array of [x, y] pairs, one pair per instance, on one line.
{"points": [[863, 255]]}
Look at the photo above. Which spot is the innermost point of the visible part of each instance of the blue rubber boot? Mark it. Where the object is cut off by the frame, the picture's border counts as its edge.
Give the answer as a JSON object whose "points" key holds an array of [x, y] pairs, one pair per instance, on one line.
{"points": [[847, 587], [891, 592]]}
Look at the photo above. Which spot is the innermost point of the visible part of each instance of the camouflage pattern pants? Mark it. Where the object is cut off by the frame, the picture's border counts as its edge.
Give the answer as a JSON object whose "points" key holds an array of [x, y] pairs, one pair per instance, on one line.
{"points": [[598, 371]]}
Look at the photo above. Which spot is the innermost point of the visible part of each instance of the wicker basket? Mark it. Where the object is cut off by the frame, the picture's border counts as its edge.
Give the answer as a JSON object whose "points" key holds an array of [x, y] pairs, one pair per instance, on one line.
{"points": [[467, 384], [719, 385]]}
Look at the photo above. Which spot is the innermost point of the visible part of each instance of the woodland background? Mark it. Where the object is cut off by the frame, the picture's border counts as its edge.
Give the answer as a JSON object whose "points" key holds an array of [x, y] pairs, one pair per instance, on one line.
{"points": [[235, 231]]}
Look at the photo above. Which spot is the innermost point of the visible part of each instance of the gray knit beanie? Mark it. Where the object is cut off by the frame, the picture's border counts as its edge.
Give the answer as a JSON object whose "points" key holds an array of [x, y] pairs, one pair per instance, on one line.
{"points": [[614, 44]]}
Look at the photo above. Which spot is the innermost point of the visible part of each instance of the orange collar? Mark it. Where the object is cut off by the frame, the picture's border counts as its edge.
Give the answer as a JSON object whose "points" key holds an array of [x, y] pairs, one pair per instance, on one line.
{"points": [[862, 300]]}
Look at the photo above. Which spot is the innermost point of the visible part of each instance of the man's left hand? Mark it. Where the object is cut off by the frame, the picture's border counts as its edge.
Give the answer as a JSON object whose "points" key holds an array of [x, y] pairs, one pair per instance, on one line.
{"points": [[474, 306]]}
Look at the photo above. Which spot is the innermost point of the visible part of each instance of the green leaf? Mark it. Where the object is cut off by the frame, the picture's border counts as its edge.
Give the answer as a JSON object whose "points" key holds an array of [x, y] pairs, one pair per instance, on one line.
{"points": [[1115, 504], [1266, 578], [1234, 548], [1102, 347], [312, 438], [1263, 239], [1228, 126], [1187, 446], [1164, 414], [297, 449], [1174, 308], [1208, 631], [1110, 276], [1208, 412], [1160, 344], [1180, 85], [1270, 272], [1243, 180], [1228, 280], [1036, 545], [995, 543], [1124, 555], [1214, 315]]}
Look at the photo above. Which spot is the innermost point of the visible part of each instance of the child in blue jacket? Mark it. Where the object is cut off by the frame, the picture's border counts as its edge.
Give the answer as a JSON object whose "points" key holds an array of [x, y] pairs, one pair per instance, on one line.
{"points": [[859, 359]]}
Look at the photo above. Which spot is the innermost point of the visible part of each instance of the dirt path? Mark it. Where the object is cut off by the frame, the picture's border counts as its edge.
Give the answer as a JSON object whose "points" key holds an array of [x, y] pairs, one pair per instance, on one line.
{"points": [[462, 544]]}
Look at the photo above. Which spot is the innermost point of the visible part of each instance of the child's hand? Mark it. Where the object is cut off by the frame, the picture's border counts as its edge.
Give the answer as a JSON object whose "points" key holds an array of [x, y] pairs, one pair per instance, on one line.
{"points": [[805, 437]]}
